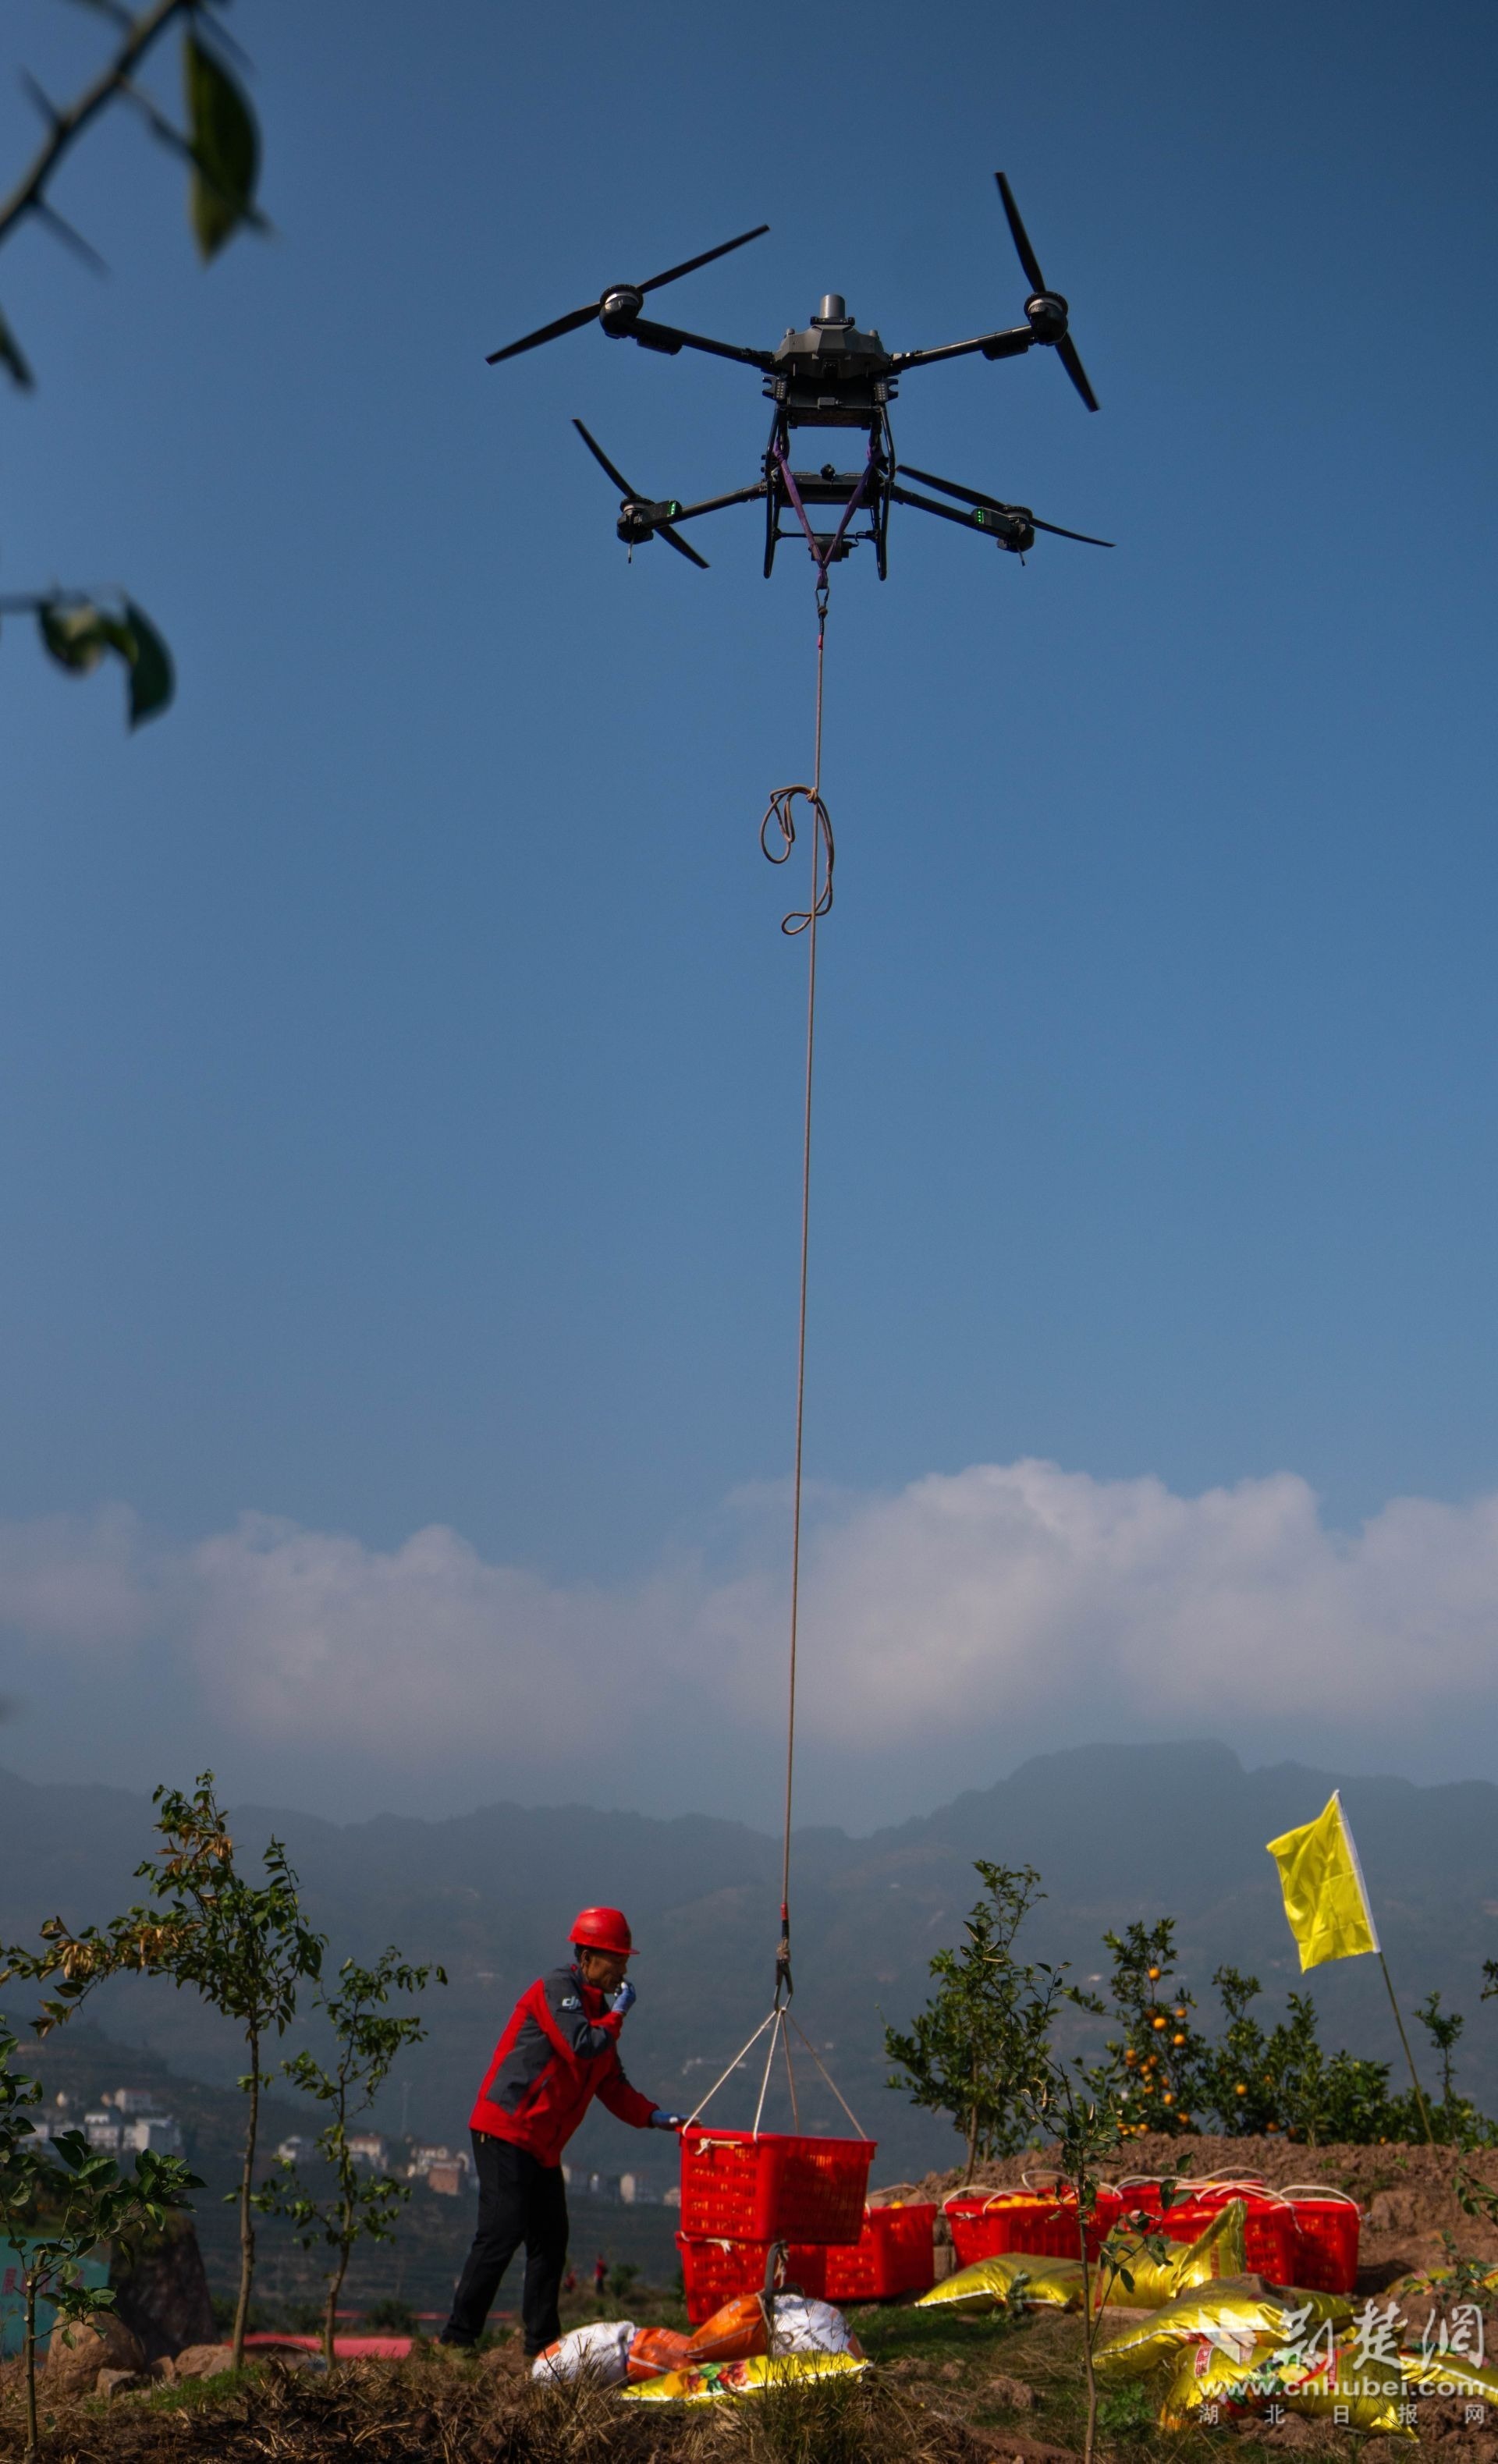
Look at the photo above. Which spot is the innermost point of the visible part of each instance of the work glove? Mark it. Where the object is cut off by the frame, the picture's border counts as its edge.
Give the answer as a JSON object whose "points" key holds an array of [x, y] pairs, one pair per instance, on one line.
{"points": [[624, 1999], [661, 2120]]}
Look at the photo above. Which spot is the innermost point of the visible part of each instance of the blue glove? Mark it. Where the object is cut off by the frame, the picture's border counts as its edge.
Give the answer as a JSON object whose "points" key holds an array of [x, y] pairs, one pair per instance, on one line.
{"points": [[661, 2120], [624, 1999]]}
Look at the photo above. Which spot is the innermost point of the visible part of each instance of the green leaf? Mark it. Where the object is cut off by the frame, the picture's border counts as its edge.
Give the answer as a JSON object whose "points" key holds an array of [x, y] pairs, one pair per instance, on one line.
{"points": [[76, 638], [226, 149], [152, 678], [13, 358]]}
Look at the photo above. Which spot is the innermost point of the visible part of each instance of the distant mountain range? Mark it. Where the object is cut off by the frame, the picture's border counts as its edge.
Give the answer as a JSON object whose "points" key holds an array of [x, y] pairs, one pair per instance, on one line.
{"points": [[1117, 1832]]}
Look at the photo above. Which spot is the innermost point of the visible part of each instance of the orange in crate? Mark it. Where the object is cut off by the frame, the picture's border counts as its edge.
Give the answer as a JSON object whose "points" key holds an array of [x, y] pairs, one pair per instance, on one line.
{"points": [[895, 2253], [771, 2185], [1042, 2223]]}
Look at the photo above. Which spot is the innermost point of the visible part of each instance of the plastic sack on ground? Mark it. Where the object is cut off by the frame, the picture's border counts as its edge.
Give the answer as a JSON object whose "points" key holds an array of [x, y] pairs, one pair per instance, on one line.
{"points": [[1328, 2387], [655, 2350], [1448, 2374], [1130, 2275], [713, 2382], [1016, 2276], [601, 2351], [736, 2332], [1236, 2316]]}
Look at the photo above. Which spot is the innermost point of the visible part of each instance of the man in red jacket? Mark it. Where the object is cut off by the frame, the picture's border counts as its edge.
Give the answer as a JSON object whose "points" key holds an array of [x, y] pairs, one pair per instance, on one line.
{"points": [[559, 2050]]}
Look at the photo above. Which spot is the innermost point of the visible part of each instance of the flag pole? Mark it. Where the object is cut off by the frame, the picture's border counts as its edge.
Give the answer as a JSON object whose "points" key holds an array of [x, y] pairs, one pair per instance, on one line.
{"points": [[1419, 2093]]}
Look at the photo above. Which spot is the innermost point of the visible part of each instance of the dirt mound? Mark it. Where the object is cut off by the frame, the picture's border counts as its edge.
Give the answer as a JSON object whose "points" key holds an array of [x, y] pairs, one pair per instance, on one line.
{"points": [[1405, 2192]]}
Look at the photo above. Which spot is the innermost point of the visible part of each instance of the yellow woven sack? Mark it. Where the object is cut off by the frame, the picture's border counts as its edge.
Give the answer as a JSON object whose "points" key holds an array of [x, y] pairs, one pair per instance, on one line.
{"points": [[1238, 2315], [1131, 2276], [716, 2381], [1448, 2374], [1016, 2276], [1368, 2400]]}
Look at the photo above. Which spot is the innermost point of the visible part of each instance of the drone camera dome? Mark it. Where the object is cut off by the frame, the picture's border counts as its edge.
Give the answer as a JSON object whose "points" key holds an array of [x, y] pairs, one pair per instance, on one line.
{"points": [[833, 311]]}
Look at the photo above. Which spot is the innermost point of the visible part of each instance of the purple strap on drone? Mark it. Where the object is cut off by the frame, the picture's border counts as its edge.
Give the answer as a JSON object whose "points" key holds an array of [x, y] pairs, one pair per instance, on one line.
{"points": [[821, 558]]}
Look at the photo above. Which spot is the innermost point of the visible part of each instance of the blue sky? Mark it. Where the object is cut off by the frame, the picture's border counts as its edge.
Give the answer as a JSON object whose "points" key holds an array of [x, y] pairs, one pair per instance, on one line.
{"points": [[398, 1055]]}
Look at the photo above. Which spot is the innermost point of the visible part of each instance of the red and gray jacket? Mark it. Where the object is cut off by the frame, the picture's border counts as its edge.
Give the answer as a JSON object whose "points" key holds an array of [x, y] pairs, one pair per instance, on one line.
{"points": [[559, 2050]]}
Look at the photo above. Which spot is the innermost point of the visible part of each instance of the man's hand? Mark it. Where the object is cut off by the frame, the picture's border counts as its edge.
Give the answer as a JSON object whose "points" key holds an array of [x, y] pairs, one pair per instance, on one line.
{"points": [[624, 1999], [661, 2120]]}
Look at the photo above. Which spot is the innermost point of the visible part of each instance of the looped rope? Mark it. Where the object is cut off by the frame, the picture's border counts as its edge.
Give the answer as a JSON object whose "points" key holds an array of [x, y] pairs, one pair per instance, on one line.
{"points": [[780, 814]]}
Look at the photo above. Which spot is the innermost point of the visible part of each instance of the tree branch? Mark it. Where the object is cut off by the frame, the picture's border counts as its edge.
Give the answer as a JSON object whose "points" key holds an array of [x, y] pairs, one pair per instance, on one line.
{"points": [[67, 125]]}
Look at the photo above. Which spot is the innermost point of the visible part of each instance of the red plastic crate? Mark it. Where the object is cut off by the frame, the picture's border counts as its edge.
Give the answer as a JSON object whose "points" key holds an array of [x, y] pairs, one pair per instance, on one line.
{"points": [[1270, 2237], [1328, 2224], [740, 2186], [1042, 2223], [713, 2271], [895, 2253]]}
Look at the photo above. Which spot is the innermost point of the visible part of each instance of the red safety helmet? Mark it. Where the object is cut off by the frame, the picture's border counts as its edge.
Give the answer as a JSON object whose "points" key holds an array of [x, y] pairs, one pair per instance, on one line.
{"points": [[603, 1930]]}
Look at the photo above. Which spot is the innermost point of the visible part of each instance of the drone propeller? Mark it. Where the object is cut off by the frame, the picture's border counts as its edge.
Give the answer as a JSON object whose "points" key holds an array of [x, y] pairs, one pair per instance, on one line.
{"points": [[996, 505], [620, 304], [635, 509], [1047, 310]]}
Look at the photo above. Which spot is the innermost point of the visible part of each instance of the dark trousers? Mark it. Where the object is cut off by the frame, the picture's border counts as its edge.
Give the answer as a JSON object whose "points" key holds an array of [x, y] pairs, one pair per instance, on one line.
{"points": [[519, 2200]]}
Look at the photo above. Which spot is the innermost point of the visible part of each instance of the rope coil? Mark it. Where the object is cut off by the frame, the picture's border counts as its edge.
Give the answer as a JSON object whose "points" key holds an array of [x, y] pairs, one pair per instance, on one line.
{"points": [[781, 815]]}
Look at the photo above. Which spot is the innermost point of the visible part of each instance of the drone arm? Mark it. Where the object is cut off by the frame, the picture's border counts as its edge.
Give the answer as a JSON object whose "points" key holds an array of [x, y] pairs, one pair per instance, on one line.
{"points": [[715, 504], [671, 339], [1007, 345], [993, 525]]}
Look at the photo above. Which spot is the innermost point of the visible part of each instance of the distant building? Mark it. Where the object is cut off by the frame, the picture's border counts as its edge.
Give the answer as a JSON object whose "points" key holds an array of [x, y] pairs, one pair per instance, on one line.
{"points": [[441, 2169], [638, 2190], [672, 2198], [101, 2130], [160, 2132], [295, 2150], [136, 2100], [368, 2151]]}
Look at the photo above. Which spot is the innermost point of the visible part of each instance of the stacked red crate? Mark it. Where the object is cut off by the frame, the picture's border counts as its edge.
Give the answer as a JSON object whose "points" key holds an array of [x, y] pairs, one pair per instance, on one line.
{"points": [[1307, 2234], [1042, 2223], [741, 2194]]}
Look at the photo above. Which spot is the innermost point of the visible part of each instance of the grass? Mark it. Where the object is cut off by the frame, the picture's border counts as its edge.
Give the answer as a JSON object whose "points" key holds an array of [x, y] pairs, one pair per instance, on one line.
{"points": [[943, 2392]]}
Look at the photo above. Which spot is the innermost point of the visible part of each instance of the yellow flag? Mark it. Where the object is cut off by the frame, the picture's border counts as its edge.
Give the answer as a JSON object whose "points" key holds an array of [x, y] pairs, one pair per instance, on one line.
{"points": [[1326, 1899]]}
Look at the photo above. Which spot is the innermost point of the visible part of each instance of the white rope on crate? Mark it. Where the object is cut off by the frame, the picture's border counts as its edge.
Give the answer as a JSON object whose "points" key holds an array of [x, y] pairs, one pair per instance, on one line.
{"points": [[780, 2021]]}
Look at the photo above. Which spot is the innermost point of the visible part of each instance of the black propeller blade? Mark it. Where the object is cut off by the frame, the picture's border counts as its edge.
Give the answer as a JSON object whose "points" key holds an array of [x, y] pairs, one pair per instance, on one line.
{"points": [[1064, 347], [569, 324], [996, 505], [632, 496]]}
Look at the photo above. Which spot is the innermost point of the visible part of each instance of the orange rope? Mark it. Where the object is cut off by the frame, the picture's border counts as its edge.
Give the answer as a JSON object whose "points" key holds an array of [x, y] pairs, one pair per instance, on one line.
{"points": [[780, 812]]}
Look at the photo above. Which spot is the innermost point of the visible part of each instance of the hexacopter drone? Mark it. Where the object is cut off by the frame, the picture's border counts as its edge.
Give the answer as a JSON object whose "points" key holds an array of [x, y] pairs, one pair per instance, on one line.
{"points": [[831, 376]]}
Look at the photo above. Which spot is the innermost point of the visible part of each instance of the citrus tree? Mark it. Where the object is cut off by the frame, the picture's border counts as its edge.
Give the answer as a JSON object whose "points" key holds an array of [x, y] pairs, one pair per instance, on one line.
{"points": [[970, 2052], [368, 2038], [239, 1941], [59, 2200]]}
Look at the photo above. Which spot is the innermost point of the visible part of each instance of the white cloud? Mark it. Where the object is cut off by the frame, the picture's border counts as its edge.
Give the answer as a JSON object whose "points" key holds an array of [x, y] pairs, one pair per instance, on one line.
{"points": [[76, 1582], [962, 1620]]}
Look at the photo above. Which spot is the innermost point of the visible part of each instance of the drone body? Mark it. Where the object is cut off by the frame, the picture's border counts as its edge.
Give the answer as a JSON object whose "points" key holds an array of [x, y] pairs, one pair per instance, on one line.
{"points": [[831, 375]]}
